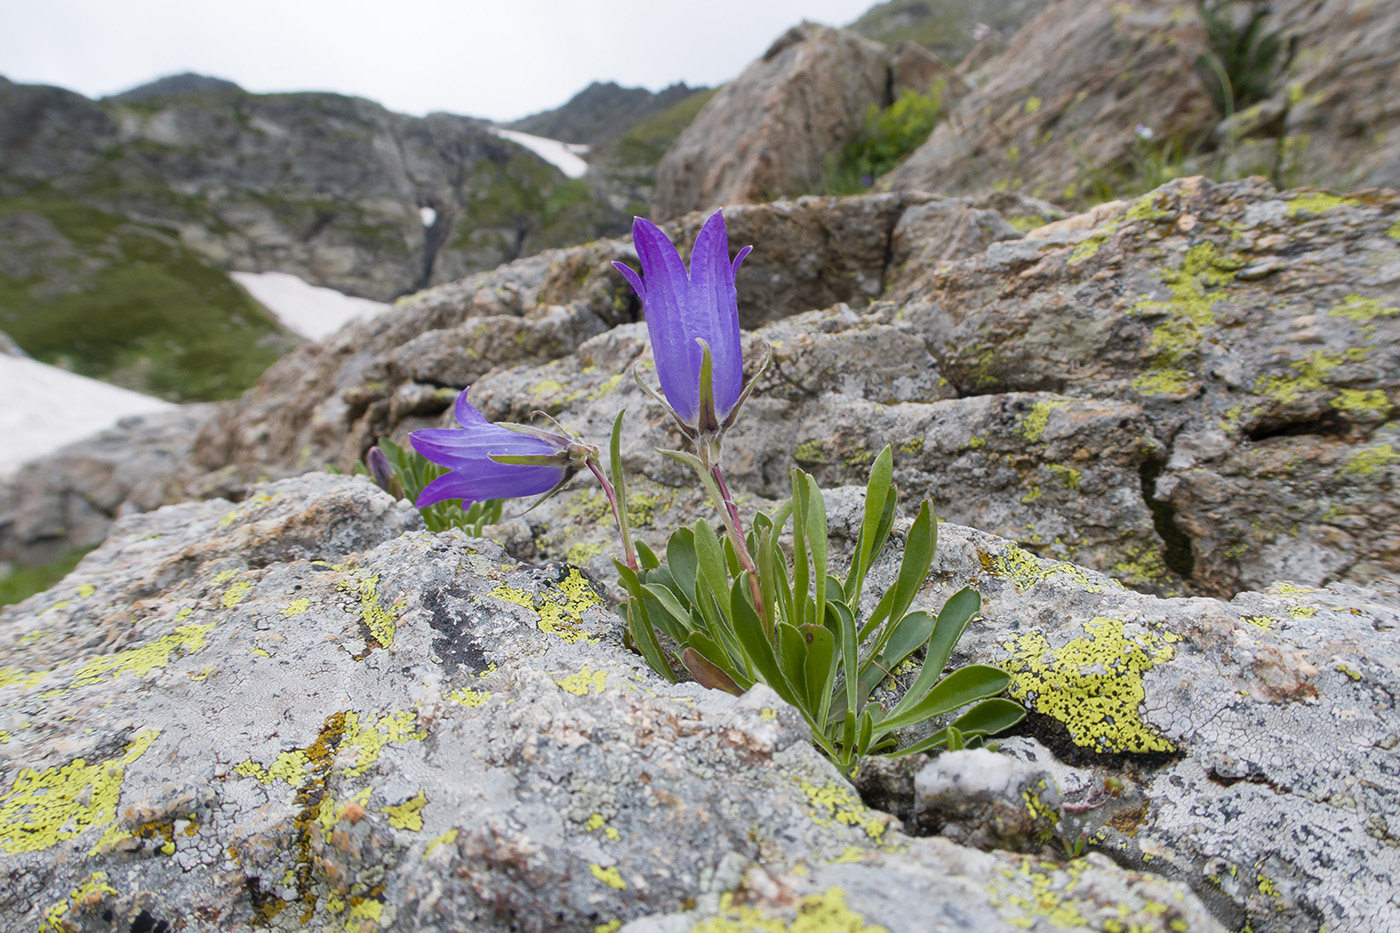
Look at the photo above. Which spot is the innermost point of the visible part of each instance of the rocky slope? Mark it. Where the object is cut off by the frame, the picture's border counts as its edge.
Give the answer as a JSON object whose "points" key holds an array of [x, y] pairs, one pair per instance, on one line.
{"points": [[1057, 111], [118, 219], [949, 28]]}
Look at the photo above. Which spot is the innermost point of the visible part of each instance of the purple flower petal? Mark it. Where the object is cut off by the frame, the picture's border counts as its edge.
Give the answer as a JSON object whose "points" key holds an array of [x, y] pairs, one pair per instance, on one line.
{"points": [[681, 307], [492, 481], [467, 452]]}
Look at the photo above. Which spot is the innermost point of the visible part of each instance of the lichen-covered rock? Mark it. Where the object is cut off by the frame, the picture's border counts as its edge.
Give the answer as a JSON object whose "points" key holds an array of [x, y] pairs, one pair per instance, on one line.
{"points": [[364, 729], [1245, 748], [1260, 335]]}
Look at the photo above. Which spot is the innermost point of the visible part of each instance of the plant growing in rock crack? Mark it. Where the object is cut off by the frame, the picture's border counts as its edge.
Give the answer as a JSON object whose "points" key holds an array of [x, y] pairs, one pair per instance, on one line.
{"points": [[731, 607]]}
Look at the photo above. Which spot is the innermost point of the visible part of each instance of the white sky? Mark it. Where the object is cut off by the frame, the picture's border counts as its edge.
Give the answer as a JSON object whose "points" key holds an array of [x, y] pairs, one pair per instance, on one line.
{"points": [[498, 60]]}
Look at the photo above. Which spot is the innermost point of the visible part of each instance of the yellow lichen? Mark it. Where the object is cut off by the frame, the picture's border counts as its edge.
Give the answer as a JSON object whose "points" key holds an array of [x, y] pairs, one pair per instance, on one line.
{"points": [[1369, 460], [447, 837], [1362, 310], [296, 607], [609, 876], [1025, 570], [561, 618], [1067, 475], [1093, 684], [93, 887], [44, 808], [236, 593], [1318, 202], [1166, 381], [378, 620], [372, 737], [1033, 427], [86, 590], [816, 913], [407, 815], [186, 639], [836, 802], [1362, 402], [578, 684], [466, 696]]}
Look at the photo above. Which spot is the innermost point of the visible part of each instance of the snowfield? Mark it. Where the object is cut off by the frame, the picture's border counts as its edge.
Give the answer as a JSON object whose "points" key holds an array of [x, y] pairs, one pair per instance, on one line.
{"points": [[564, 156], [47, 407], [308, 310]]}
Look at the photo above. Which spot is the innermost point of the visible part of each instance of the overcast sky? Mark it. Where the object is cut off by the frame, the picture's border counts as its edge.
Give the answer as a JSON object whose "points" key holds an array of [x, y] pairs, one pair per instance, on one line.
{"points": [[497, 60]]}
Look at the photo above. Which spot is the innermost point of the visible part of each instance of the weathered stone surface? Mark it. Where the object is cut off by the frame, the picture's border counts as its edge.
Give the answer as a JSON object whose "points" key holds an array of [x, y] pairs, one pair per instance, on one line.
{"points": [[1056, 111], [1064, 97], [288, 714], [767, 132], [1191, 391], [68, 500], [1258, 331], [1246, 748]]}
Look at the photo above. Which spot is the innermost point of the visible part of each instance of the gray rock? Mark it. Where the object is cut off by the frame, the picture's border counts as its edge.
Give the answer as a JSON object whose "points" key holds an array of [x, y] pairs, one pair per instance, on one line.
{"points": [[768, 132], [287, 713]]}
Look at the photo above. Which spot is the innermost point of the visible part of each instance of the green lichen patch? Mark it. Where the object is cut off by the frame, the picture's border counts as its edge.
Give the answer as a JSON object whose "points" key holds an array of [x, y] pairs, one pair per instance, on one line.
{"points": [[584, 680], [1310, 374], [1093, 684], [816, 913], [559, 614], [1025, 570], [1364, 403], [93, 887], [837, 803], [1318, 202], [407, 815], [1361, 310], [44, 808], [1034, 424], [1370, 460]]}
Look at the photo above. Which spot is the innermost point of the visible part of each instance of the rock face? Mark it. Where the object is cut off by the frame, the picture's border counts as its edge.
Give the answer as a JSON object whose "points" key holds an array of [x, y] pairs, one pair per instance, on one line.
{"points": [[1193, 392], [322, 186], [948, 28], [68, 500], [766, 133], [321, 719], [1055, 114], [323, 715], [1064, 98]]}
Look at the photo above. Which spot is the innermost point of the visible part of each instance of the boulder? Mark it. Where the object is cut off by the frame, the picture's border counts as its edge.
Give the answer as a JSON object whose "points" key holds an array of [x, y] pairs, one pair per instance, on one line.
{"points": [[768, 132], [298, 711]]}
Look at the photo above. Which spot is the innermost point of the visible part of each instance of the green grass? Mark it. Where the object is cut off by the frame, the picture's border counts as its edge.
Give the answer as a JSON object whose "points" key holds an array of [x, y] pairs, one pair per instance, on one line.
{"points": [[23, 582], [646, 142], [126, 303], [888, 136]]}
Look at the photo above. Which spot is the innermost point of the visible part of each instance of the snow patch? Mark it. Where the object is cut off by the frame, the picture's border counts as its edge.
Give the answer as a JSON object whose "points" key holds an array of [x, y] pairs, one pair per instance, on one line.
{"points": [[47, 408], [309, 310], [564, 156]]}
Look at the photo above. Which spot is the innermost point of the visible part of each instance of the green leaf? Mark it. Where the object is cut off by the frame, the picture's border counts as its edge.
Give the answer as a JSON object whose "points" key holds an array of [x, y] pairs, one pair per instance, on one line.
{"points": [[879, 495], [963, 686], [647, 557], [986, 718], [675, 620], [816, 545], [953, 618], [680, 560], [906, 636], [882, 611], [820, 674], [709, 554], [947, 629], [639, 624], [918, 554], [719, 655], [749, 629], [801, 575], [707, 673], [865, 729], [792, 658], [955, 740]]}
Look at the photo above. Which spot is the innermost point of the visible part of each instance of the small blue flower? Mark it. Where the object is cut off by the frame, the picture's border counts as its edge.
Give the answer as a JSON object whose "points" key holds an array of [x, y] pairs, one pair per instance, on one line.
{"points": [[686, 307], [496, 461]]}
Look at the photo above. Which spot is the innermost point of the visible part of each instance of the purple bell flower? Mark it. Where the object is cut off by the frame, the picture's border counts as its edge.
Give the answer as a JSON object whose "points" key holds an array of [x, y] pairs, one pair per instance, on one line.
{"points": [[495, 461], [685, 307]]}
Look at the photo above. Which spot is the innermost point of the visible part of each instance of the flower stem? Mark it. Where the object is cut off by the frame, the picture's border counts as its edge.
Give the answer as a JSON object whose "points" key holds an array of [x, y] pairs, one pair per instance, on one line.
{"points": [[735, 526], [622, 529]]}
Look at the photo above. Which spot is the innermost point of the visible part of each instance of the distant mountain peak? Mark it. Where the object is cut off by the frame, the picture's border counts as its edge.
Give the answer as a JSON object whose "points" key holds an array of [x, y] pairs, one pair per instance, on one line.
{"points": [[175, 85]]}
